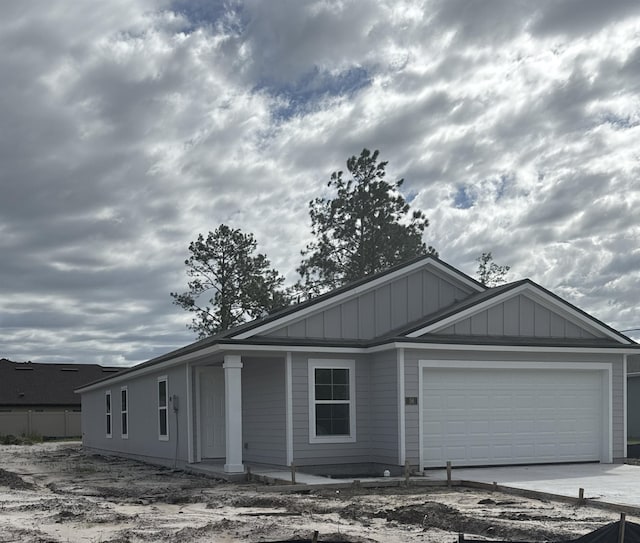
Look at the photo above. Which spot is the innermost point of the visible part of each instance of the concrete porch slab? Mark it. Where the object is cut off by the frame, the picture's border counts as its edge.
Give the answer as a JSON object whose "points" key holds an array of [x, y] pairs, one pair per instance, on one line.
{"points": [[611, 483]]}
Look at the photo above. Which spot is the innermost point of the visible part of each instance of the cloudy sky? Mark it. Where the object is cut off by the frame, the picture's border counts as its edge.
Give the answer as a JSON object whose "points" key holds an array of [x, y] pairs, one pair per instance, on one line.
{"points": [[128, 127]]}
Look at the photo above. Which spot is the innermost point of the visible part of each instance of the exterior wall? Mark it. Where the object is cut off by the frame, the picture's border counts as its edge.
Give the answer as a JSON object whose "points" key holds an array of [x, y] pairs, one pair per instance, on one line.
{"points": [[143, 441], [309, 454], [633, 364], [412, 358], [519, 317], [376, 312], [384, 408], [264, 411], [633, 407], [43, 422]]}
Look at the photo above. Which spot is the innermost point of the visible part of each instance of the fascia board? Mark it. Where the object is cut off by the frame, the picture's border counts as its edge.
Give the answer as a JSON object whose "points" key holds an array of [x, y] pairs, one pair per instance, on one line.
{"points": [[370, 285], [501, 348], [217, 349], [151, 368], [535, 294]]}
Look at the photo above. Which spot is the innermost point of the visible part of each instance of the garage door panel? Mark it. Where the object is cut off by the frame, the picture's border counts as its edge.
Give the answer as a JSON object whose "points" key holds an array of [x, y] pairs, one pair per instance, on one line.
{"points": [[500, 416]]}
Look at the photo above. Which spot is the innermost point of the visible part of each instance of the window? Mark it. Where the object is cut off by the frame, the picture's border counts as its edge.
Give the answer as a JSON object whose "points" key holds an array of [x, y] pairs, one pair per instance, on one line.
{"points": [[332, 401], [124, 412], [107, 397], [163, 412]]}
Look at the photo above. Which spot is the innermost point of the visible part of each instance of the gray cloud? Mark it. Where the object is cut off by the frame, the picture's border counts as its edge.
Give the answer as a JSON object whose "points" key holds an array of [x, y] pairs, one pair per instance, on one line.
{"points": [[575, 17], [130, 127]]}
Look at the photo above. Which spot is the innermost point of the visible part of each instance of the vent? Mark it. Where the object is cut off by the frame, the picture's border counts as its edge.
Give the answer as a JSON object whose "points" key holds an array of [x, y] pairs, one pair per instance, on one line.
{"points": [[23, 368], [68, 369]]}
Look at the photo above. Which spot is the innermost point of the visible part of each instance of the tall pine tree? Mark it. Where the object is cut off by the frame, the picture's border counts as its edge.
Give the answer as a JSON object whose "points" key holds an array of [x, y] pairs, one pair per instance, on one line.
{"points": [[229, 284], [365, 227]]}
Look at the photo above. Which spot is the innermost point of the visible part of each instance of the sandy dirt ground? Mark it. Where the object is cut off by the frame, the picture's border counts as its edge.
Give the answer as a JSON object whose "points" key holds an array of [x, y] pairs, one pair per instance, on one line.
{"points": [[54, 492]]}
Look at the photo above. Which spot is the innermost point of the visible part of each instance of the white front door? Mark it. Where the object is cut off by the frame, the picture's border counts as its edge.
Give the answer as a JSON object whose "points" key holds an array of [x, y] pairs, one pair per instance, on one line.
{"points": [[212, 413]]}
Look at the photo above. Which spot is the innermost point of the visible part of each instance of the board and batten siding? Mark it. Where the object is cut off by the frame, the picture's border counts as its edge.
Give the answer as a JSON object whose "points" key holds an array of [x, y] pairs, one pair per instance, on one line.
{"points": [[316, 454], [384, 408], [376, 312], [519, 316], [142, 442], [264, 411], [412, 358]]}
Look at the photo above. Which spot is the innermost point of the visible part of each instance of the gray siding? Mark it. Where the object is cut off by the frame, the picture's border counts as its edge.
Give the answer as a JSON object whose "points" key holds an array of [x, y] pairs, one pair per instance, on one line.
{"points": [[378, 311], [308, 454], [411, 387], [143, 441], [264, 411], [633, 407], [384, 408], [521, 317]]}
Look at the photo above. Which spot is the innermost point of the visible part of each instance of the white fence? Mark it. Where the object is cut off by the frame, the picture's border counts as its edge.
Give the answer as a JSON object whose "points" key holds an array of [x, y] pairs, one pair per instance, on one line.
{"points": [[41, 423]]}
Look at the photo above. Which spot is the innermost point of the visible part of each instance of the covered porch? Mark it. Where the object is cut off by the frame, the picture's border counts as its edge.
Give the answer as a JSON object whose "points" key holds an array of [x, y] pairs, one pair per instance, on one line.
{"points": [[233, 416]]}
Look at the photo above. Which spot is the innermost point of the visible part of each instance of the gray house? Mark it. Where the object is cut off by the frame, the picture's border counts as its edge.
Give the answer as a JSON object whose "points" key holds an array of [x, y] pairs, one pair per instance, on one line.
{"points": [[418, 364], [38, 399]]}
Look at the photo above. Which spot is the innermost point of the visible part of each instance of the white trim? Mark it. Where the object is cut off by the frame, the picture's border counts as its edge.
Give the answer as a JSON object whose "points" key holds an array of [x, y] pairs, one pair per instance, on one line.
{"points": [[498, 348], [289, 398], [108, 414], [369, 285], [420, 416], [515, 364], [608, 418], [328, 363], [542, 297], [624, 403], [154, 368], [189, 381], [163, 437], [220, 348], [124, 412], [199, 370], [607, 401], [402, 452]]}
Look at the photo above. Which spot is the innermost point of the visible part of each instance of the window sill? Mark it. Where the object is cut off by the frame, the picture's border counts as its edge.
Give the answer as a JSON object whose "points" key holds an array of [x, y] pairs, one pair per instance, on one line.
{"points": [[332, 439]]}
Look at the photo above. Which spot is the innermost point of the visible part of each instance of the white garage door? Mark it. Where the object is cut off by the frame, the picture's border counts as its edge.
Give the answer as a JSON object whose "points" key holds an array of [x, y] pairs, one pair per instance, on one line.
{"points": [[511, 416]]}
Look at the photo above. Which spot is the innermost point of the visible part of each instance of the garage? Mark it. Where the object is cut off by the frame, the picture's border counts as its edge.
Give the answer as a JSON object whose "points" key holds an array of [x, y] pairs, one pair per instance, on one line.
{"points": [[502, 413]]}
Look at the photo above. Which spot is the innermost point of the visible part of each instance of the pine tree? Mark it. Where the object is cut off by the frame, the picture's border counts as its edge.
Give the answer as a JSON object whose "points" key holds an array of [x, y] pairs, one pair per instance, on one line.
{"points": [[229, 284], [365, 227]]}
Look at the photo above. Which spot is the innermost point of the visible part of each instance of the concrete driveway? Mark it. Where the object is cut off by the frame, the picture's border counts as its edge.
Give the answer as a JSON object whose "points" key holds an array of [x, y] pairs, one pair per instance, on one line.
{"points": [[612, 483]]}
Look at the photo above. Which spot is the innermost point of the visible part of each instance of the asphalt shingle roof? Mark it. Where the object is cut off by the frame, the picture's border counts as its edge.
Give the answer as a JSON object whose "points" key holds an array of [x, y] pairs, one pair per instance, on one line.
{"points": [[24, 384]]}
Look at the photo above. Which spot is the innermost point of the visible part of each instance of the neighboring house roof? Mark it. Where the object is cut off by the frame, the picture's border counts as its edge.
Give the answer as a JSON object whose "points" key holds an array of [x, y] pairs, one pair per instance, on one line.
{"points": [[24, 384]]}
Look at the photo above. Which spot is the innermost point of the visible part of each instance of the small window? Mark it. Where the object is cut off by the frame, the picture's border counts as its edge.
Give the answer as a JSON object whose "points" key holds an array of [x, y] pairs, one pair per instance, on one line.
{"points": [[163, 413], [124, 412], [107, 397], [332, 401]]}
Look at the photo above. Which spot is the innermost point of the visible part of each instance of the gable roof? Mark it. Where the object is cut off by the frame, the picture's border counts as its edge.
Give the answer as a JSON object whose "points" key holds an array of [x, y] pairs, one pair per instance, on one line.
{"points": [[24, 384], [494, 296], [271, 322], [424, 332]]}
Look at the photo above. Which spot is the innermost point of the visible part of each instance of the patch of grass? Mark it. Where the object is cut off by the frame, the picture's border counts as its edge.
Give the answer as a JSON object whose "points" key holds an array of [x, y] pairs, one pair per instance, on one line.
{"points": [[10, 439]]}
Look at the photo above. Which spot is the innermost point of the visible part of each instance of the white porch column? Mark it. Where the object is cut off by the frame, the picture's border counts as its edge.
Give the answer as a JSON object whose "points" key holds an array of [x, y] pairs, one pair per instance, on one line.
{"points": [[233, 413]]}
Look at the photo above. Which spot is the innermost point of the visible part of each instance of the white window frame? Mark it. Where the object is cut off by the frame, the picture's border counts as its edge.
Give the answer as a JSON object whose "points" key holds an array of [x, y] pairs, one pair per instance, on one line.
{"points": [[318, 363], [124, 413], [108, 414], [165, 408]]}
